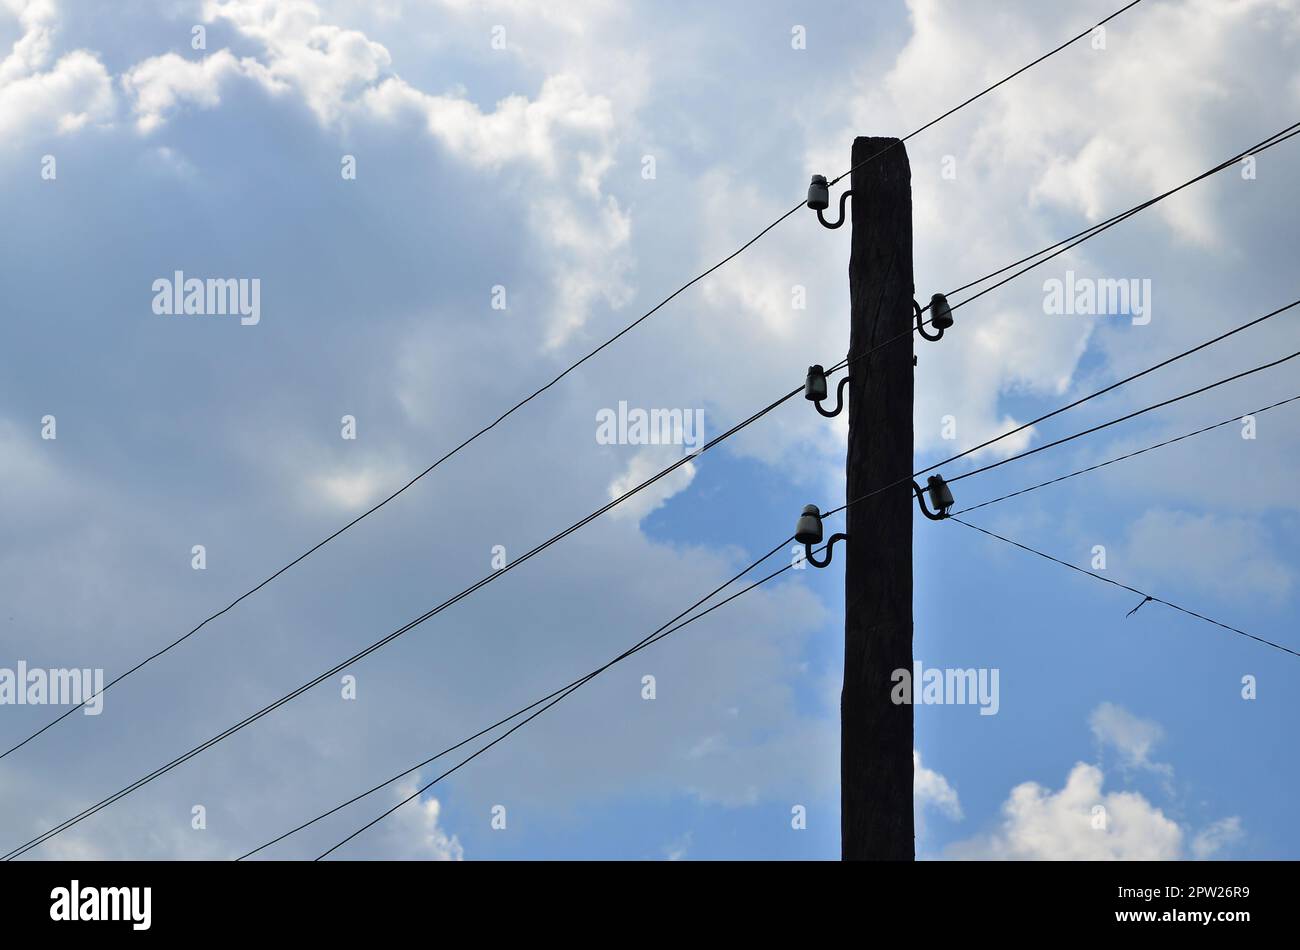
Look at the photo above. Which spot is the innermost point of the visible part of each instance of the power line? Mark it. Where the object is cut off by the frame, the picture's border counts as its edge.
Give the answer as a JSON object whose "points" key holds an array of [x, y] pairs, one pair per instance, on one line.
{"points": [[985, 91], [1275, 139], [550, 699], [1074, 240], [1150, 597], [365, 514], [1268, 143], [1125, 457], [559, 694], [1130, 415], [1128, 379], [527, 399], [906, 480], [378, 644]]}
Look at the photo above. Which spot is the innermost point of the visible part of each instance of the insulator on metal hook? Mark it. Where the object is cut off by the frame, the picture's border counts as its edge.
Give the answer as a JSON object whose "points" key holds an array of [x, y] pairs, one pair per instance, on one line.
{"points": [[808, 531], [940, 317], [819, 199], [940, 497]]}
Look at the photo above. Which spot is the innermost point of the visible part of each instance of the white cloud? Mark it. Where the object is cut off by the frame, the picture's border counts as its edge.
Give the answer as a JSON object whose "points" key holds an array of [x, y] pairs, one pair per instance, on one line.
{"points": [[160, 85], [1213, 839], [38, 20], [74, 93], [412, 833], [562, 139], [1040, 824], [1132, 737], [1083, 822], [932, 790], [645, 463], [354, 488]]}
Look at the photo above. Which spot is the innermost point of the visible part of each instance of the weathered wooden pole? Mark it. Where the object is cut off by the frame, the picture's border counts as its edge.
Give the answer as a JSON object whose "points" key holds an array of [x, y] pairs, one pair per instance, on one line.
{"points": [[876, 734]]}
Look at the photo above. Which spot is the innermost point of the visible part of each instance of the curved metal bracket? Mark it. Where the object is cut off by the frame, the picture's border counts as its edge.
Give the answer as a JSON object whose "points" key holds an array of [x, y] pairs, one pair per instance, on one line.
{"points": [[830, 545], [925, 510], [920, 324], [844, 197], [839, 400]]}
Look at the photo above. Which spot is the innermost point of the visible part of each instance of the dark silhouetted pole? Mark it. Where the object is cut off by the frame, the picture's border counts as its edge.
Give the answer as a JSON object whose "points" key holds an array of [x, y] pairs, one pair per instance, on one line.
{"points": [[876, 735]]}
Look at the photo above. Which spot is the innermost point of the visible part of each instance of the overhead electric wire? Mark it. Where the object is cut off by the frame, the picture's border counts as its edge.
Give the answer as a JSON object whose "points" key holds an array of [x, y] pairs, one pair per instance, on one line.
{"points": [[985, 444], [1126, 456], [1276, 139], [655, 636], [529, 398], [499, 419], [907, 480], [487, 579], [1150, 597], [534, 715], [986, 90], [1130, 415], [1073, 241]]}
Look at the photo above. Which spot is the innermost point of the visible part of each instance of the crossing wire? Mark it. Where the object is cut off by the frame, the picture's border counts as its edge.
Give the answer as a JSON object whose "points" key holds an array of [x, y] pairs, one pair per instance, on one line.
{"points": [[1126, 456], [526, 400]]}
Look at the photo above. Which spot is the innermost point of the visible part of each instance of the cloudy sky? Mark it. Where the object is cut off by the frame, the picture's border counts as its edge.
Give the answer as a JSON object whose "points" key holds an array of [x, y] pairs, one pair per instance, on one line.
{"points": [[445, 202]]}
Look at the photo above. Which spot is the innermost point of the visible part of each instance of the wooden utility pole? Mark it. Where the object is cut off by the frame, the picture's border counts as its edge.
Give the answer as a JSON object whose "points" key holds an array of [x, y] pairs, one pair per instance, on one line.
{"points": [[875, 734]]}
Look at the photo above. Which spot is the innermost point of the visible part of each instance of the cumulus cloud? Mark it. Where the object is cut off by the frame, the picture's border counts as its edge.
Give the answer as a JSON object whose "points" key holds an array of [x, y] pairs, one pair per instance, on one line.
{"points": [[1210, 841], [647, 462], [932, 790], [1040, 824], [162, 84], [414, 832], [1082, 821], [562, 139], [75, 92], [1115, 727]]}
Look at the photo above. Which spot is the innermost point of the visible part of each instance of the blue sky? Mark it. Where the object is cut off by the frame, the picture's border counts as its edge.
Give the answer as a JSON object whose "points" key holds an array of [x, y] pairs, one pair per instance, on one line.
{"points": [[500, 144]]}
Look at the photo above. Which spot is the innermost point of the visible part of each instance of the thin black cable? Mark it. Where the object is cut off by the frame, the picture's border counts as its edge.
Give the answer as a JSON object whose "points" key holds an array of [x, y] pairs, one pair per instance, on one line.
{"points": [[567, 691], [1124, 418], [523, 402], [419, 620], [1151, 597], [576, 683], [1126, 380], [1125, 457], [1075, 240], [906, 480], [1116, 218], [984, 92], [365, 514], [652, 637], [162, 770], [1291, 131]]}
